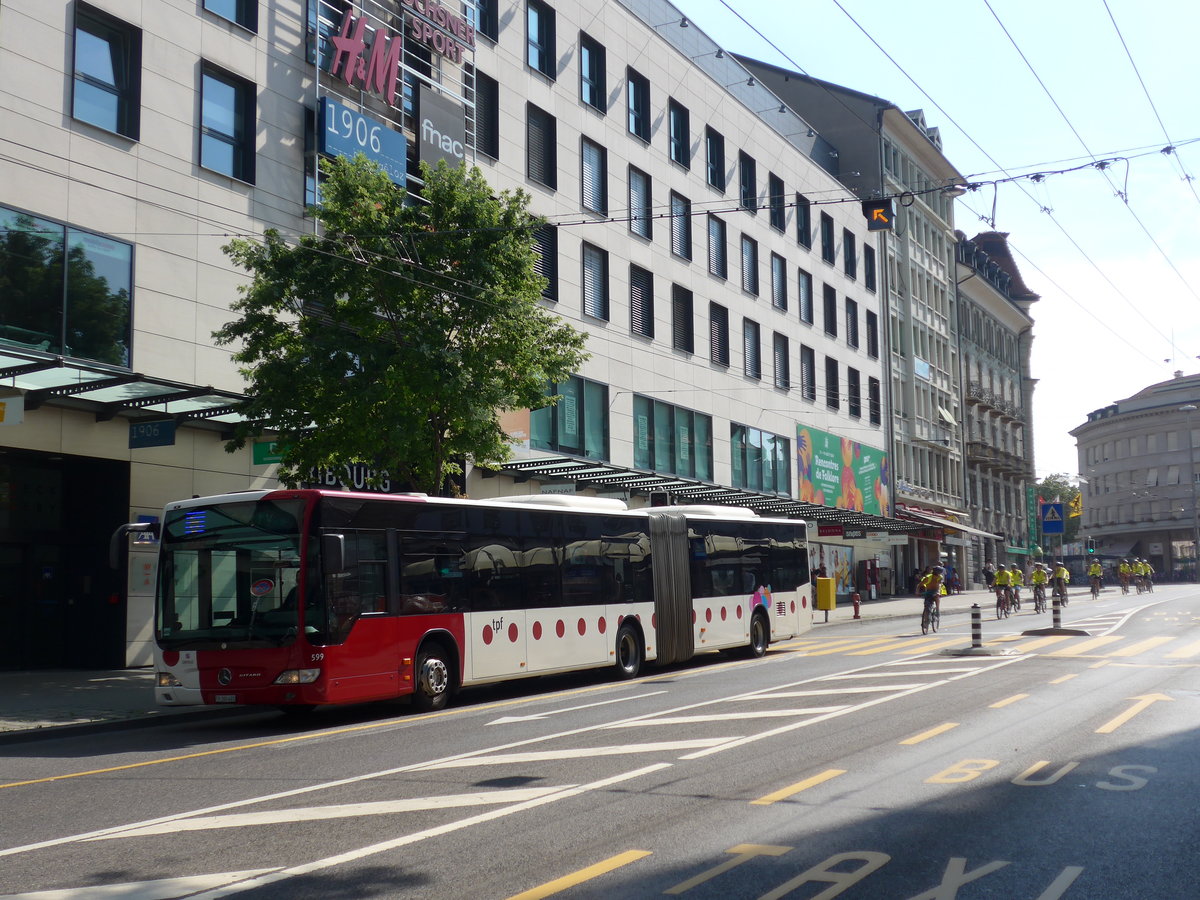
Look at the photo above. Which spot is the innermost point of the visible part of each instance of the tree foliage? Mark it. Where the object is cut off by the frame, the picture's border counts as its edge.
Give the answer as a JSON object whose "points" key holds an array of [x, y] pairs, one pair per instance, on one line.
{"points": [[1057, 488], [396, 335]]}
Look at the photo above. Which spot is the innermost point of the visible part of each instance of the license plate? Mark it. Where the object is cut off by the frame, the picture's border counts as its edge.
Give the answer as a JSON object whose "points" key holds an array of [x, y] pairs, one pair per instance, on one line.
{"points": [[225, 698]]}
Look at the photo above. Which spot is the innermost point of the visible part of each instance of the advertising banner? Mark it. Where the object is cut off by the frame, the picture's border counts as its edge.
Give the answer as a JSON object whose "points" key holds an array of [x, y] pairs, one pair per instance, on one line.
{"points": [[836, 471], [442, 133], [838, 562]]}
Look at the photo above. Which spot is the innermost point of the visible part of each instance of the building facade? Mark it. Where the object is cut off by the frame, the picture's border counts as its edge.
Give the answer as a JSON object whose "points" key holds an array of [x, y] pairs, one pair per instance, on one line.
{"points": [[730, 290], [1140, 473]]}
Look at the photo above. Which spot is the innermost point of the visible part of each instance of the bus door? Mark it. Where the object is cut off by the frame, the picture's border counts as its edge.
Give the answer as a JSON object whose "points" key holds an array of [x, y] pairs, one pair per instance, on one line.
{"points": [[672, 587]]}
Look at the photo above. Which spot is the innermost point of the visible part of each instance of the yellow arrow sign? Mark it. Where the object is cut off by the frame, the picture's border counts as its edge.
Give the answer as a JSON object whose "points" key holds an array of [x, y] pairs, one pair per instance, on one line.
{"points": [[1142, 703]]}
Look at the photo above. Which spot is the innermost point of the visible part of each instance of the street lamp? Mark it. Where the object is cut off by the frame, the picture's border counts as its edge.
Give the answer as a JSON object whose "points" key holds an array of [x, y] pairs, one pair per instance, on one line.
{"points": [[1190, 409]]}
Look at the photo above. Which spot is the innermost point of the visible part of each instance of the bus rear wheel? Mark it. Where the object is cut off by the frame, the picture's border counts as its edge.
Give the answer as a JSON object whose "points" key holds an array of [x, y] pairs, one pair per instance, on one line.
{"points": [[760, 636], [629, 653], [434, 682]]}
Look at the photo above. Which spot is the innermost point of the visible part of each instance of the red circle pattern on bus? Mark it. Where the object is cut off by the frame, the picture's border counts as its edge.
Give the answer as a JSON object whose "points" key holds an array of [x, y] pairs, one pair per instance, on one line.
{"points": [[487, 634], [537, 631], [582, 627], [602, 625]]}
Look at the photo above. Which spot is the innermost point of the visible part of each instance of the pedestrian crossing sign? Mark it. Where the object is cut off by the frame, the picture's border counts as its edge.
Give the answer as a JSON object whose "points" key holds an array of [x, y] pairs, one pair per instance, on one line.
{"points": [[1052, 518]]}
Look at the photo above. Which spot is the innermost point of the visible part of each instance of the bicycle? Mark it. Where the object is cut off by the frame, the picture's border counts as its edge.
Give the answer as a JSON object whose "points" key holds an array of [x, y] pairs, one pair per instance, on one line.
{"points": [[1124, 584], [1016, 599], [1039, 598], [1003, 601], [1095, 588], [1060, 591], [931, 617]]}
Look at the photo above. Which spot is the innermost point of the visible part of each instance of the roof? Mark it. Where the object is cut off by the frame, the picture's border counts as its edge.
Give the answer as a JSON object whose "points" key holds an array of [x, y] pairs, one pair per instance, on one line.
{"points": [[995, 245]]}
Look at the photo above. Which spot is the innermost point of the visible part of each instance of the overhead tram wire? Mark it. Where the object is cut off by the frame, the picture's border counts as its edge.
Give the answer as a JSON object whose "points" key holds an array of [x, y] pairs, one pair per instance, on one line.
{"points": [[1100, 166]]}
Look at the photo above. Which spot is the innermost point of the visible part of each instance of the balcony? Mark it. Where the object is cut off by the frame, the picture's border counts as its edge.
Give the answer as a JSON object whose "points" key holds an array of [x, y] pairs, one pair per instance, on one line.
{"points": [[978, 395]]}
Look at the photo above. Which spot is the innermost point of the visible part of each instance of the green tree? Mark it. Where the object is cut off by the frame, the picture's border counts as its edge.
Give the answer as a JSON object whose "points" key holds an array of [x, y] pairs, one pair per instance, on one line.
{"points": [[396, 335], [1057, 488]]}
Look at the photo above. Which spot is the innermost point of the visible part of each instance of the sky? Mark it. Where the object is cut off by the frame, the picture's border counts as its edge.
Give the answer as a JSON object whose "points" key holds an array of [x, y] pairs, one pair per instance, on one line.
{"points": [[1018, 89]]}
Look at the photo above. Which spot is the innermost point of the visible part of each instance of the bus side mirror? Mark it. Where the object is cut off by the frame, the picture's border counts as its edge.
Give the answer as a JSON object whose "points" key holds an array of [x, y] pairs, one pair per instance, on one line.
{"points": [[117, 545], [333, 553]]}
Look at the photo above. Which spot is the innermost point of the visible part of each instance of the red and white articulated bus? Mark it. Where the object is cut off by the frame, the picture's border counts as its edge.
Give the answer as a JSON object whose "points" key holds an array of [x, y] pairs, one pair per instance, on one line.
{"points": [[295, 598]]}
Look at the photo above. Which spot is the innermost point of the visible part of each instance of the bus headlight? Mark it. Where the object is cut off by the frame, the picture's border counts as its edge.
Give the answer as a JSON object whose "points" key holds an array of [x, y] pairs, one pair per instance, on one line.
{"points": [[298, 676], [167, 680]]}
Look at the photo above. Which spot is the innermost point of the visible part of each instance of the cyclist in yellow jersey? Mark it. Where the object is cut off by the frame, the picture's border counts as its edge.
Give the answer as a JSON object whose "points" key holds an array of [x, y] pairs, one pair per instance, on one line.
{"points": [[1061, 578], [1095, 575], [1124, 573], [1017, 578], [1038, 578]]}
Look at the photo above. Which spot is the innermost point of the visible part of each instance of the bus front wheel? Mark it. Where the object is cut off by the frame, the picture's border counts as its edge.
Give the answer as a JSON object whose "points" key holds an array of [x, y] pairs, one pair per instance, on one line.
{"points": [[433, 680], [760, 636], [629, 653]]}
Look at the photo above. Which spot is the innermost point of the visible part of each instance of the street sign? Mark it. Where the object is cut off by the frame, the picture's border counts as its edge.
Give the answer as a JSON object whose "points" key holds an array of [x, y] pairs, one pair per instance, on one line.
{"points": [[156, 433], [1053, 521]]}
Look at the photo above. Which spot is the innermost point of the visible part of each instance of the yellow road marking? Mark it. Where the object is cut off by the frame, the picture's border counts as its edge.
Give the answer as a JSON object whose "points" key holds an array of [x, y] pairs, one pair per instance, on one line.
{"points": [[844, 648], [1100, 665], [742, 853], [1041, 642], [1085, 646], [1063, 678], [1142, 702], [568, 881], [799, 786], [1000, 704], [897, 645], [1185, 652], [926, 735], [1142, 646]]}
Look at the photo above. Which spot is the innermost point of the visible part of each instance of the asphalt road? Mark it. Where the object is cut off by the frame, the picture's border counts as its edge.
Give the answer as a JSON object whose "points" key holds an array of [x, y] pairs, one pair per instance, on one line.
{"points": [[863, 761]]}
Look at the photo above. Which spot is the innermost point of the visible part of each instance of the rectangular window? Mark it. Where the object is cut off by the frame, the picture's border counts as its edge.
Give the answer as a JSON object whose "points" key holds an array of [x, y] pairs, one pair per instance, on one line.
{"points": [[831, 311], [852, 322], [749, 265], [487, 18], [759, 460], [641, 215], [779, 298], [833, 388], [714, 150], [541, 143], [637, 89], [107, 82], [679, 135], [545, 243], [775, 201], [592, 81], [671, 439], [682, 328], [240, 12], [594, 176], [869, 267], [595, 282], [806, 297], [872, 335], [66, 291], [854, 393], [873, 401], [718, 334], [681, 226], [747, 181], [487, 115], [751, 349], [803, 221], [808, 373], [540, 47], [577, 423], [783, 364], [641, 301], [227, 126], [849, 254], [828, 249], [718, 262]]}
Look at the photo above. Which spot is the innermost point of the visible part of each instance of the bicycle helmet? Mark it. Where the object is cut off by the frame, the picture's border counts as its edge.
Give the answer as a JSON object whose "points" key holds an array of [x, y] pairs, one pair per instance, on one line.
{"points": [[938, 570]]}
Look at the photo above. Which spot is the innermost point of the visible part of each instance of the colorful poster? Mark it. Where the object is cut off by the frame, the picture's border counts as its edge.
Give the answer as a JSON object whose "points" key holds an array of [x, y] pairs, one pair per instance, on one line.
{"points": [[838, 562], [836, 471]]}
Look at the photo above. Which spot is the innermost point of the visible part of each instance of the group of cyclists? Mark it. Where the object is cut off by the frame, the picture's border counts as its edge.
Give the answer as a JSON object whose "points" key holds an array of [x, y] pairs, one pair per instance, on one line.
{"points": [[1138, 571], [1009, 579]]}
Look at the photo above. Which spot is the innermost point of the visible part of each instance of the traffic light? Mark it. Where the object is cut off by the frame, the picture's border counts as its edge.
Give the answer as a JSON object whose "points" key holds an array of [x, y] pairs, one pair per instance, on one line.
{"points": [[878, 214], [1091, 545]]}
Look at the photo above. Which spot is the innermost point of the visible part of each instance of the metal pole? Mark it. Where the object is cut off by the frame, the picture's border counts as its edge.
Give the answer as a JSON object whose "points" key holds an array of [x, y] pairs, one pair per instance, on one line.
{"points": [[1056, 611], [976, 626]]}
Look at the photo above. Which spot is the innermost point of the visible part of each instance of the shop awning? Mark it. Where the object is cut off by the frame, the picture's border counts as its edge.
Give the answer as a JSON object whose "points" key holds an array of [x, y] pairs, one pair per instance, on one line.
{"points": [[948, 524]]}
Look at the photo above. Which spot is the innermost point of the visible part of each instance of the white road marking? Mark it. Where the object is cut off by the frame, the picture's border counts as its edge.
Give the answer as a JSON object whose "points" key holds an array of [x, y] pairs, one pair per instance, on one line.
{"points": [[554, 712], [165, 889], [894, 674], [730, 717], [824, 692], [501, 759]]}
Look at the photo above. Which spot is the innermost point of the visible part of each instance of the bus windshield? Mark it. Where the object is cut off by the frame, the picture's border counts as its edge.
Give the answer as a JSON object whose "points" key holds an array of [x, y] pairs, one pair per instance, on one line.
{"points": [[228, 575]]}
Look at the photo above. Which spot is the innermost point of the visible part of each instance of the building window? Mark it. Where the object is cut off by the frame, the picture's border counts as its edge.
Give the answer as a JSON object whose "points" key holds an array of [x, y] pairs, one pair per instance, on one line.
{"points": [[540, 47], [714, 149], [641, 216], [803, 221], [852, 322], [240, 12], [594, 177], [545, 244], [806, 297], [487, 115], [227, 124], [671, 439], [487, 18], [66, 291], [808, 373], [718, 334], [749, 265], [541, 142], [833, 388], [637, 89], [873, 404], [831, 311], [682, 328], [641, 301], [679, 139], [854, 393], [828, 250], [849, 254], [681, 226], [595, 282], [872, 335], [748, 182], [783, 365], [577, 423], [775, 201], [108, 64], [759, 460], [718, 262], [592, 81], [751, 349], [779, 298], [869, 267]]}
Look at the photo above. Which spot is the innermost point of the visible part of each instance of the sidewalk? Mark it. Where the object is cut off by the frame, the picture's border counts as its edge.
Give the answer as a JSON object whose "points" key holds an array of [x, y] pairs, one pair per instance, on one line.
{"points": [[33, 702]]}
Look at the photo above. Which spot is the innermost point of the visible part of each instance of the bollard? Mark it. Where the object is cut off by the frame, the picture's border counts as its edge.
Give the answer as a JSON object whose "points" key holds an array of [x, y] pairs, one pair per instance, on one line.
{"points": [[976, 626], [857, 601], [1057, 612]]}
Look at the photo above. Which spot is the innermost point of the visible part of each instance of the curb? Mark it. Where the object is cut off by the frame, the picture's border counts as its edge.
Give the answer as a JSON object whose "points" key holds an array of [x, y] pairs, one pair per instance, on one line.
{"points": [[77, 729]]}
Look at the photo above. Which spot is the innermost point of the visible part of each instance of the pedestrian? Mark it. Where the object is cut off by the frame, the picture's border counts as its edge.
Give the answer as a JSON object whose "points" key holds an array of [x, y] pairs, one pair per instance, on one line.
{"points": [[989, 573]]}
